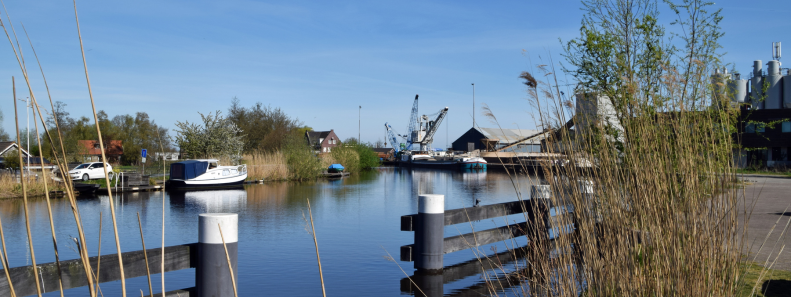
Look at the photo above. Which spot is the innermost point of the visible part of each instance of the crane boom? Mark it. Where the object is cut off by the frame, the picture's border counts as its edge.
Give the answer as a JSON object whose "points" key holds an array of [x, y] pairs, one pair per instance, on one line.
{"points": [[414, 125], [393, 140], [433, 126]]}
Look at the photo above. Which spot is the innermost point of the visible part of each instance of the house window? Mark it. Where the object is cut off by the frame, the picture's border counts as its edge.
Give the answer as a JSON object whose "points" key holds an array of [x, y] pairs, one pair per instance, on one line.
{"points": [[321, 140], [96, 145], [776, 155], [329, 149], [753, 128], [786, 127]]}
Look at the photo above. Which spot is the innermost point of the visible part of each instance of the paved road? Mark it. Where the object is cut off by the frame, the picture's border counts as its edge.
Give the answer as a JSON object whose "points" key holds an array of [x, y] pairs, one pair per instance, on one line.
{"points": [[771, 196]]}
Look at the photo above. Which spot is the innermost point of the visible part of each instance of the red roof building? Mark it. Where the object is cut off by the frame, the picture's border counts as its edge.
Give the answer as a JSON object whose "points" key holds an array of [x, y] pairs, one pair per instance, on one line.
{"points": [[91, 152]]}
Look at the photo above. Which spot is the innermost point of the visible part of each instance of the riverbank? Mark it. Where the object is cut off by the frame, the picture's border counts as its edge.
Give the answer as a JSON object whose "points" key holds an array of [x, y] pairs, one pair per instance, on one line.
{"points": [[10, 188]]}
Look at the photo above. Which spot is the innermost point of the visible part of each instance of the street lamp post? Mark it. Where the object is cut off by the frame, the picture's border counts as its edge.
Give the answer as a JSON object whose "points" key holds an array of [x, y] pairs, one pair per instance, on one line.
{"points": [[473, 105], [358, 124]]}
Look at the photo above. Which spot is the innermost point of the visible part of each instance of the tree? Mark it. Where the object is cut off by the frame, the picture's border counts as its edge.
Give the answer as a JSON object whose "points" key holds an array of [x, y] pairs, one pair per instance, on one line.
{"points": [[3, 135], [11, 159], [265, 128], [218, 137]]}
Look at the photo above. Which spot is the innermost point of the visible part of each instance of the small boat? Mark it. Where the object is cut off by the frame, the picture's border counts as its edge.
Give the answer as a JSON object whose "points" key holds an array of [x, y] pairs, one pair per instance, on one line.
{"points": [[335, 168], [204, 174], [476, 163], [442, 161]]}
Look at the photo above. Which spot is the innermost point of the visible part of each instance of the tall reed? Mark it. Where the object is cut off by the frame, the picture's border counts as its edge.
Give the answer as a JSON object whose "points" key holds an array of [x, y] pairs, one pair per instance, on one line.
{"points": [[24, 197], [266, 165], [104, 157]]}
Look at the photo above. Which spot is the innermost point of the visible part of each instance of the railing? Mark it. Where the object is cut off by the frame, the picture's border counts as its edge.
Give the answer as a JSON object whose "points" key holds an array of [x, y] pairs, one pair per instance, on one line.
{"points": [[207, 256], [430, 243]]}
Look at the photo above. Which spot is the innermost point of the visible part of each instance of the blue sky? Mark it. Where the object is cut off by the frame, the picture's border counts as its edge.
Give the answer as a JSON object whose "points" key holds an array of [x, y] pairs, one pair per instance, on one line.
{"points": [[319, 60]]}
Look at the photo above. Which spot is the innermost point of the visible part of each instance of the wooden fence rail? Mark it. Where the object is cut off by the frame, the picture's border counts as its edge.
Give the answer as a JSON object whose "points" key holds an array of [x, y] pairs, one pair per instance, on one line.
{"points": [[538, 203], [176, 258], [208, 256]]}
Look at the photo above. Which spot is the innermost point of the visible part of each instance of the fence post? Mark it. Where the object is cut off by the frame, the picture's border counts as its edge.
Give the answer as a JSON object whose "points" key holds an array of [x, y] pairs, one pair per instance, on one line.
{"points": [[212, 277], [429, 235]]}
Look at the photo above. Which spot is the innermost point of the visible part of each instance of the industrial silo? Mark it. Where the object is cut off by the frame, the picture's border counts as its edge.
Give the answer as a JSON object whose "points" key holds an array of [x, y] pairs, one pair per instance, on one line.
{"points": [[756, 85], [737, 88], [718, 83], [774, 95], [787, 90]]}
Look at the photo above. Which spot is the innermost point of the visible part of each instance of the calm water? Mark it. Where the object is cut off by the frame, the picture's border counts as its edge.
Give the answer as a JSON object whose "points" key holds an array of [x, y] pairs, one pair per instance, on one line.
{"points": [[357, 222]]}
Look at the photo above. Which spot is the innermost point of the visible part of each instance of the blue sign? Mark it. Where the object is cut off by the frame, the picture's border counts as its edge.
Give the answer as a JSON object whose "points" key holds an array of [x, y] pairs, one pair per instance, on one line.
{"points": [[144, 152]]}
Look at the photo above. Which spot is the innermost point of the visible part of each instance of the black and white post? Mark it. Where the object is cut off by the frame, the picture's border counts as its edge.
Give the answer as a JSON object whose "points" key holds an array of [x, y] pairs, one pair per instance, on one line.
{"points": [[429, 235], [212, 276], [540, 203]]}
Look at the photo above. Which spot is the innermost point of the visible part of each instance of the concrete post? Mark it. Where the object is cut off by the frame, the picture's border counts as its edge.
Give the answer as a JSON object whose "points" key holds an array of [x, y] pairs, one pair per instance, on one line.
{"points": [[540, 203], [431, 283], [586, 189], [429, 235], [212, 277]]}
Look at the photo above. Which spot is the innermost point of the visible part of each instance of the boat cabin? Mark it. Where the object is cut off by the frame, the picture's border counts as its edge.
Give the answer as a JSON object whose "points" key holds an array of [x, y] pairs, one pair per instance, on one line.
{"points": [[190, 169]]}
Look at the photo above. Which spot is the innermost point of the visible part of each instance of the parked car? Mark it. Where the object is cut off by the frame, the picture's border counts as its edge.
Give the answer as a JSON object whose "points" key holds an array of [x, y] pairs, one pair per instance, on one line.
{"points": [[93, 170]]}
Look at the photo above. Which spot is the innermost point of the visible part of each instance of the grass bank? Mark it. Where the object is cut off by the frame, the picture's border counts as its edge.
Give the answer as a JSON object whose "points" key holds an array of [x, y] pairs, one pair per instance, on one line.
{"points": [[10, 188]]}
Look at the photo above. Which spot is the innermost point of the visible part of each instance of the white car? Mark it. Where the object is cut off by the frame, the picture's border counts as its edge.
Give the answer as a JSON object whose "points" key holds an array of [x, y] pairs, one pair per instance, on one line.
{"points": [[88, 171]]}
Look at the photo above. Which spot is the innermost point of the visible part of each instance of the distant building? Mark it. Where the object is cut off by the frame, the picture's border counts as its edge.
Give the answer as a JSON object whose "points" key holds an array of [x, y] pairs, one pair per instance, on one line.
{"points": [[169, 156], [7, 147], [322, 141], [764, 97], [37, 163], [91, 152], [384, 153], [486, 139]]}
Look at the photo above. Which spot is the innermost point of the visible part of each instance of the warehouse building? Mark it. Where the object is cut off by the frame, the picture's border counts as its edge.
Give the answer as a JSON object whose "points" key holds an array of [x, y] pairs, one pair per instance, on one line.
{"points": [[487, 139]]}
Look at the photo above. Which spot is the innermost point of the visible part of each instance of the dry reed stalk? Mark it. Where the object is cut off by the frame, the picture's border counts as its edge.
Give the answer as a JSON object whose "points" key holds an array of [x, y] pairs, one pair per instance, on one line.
{"points": [[66, 181], [49, 207], [24, 197], [228, 258], [145, 255], [99, 254], [4, 259], [162, 254], [104, 157], [61, 164], [316, 242]]}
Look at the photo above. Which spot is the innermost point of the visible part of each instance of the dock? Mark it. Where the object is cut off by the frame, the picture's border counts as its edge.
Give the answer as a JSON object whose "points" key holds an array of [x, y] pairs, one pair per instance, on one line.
{"points": [[334, 175], [130, 189]]}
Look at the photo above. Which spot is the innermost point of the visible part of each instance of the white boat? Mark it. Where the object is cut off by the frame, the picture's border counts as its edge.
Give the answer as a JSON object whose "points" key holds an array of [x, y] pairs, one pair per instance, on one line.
{"points": [[204, 174]]}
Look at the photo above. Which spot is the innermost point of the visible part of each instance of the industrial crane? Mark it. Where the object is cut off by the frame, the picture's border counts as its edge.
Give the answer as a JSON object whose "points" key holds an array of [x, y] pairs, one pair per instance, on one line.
{"points": [[391, 136], [413, 125], [424, 135], [420, 130]]}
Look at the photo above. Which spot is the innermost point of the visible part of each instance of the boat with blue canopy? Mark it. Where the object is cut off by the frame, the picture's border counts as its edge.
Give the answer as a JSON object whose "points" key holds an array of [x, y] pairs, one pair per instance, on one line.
{"points": [[204, 174]]}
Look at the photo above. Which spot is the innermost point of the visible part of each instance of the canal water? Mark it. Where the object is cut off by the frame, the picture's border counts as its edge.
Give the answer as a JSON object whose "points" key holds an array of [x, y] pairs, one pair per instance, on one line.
{"points": [[357, 221]]}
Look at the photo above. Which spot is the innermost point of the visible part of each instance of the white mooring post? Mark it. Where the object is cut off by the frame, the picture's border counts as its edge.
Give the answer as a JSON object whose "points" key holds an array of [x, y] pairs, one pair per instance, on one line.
{"points": [[540, 202], [429, 235], [212, 276]]}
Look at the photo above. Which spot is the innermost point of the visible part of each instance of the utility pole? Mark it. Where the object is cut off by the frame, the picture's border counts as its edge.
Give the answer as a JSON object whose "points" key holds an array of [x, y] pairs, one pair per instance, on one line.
{"points": [[358, 124], [473, 105]]}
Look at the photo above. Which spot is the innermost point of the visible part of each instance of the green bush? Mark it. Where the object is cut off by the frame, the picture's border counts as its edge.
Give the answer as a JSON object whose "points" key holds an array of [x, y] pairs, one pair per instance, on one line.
{"points": [[302, 162], [346, 156], [368, 158]]}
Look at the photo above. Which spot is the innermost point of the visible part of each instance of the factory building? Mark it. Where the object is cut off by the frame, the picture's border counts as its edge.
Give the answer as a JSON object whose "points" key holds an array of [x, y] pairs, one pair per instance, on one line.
{"points": [[764, 98]]}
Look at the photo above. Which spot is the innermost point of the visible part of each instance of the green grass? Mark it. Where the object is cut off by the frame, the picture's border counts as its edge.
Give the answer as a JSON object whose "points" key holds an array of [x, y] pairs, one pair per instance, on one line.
{"points": [[773, 283], [764, 171]]}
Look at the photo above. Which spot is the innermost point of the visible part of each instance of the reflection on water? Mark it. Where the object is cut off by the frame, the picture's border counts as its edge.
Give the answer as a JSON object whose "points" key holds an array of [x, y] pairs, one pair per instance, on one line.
{"points": [[357, 222], [212, 201]]}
